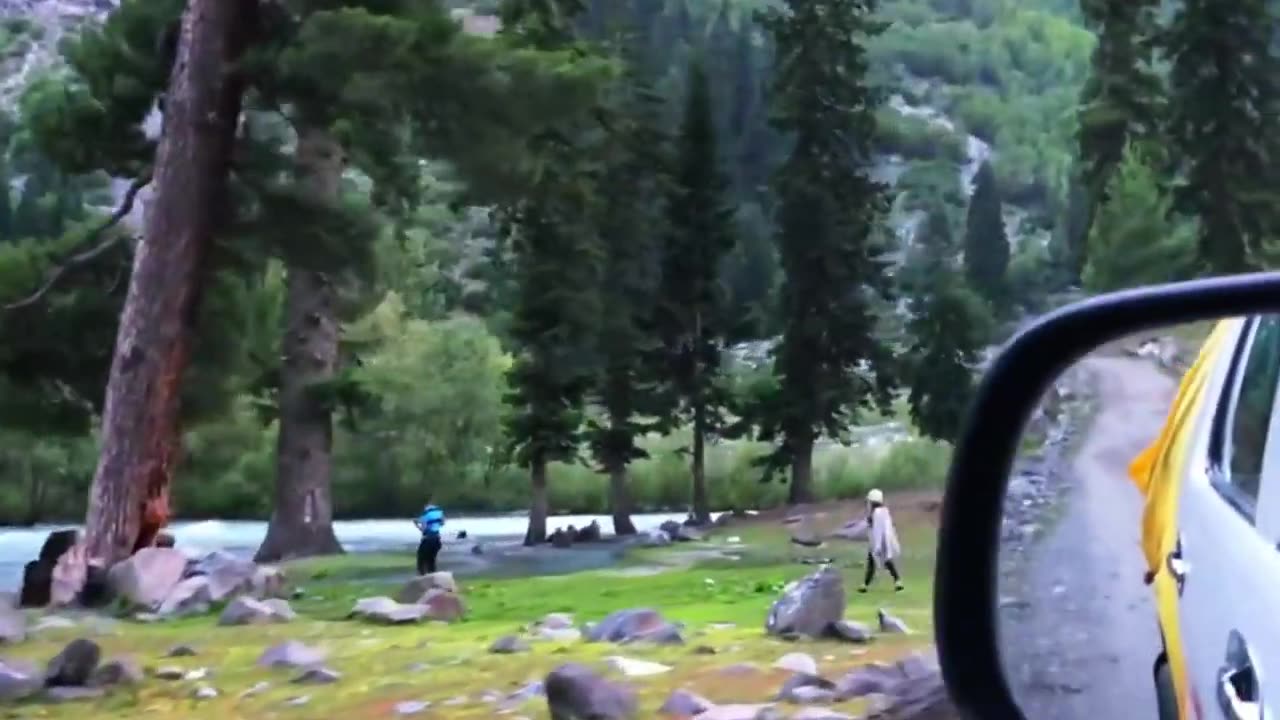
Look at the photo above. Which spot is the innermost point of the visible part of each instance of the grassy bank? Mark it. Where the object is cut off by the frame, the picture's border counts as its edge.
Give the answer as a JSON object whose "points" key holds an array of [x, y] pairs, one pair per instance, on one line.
{"points": [[442, 664]]}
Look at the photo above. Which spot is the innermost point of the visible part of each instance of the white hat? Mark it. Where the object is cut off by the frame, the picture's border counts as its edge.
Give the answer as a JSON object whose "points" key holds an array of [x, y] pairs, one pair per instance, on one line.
{"points": [[875, 496]]}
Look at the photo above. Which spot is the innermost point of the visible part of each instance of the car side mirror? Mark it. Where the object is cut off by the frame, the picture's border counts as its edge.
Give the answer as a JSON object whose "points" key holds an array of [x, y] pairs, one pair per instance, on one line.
{"points": [[966, 595]]}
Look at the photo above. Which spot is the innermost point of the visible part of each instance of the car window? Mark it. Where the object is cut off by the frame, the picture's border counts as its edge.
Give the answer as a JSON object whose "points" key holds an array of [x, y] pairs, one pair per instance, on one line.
{"points": [[1250, 416]]}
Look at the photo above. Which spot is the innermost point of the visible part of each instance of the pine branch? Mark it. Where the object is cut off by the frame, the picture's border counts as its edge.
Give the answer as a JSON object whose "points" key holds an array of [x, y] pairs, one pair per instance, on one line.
{"points": [[84, 257]]}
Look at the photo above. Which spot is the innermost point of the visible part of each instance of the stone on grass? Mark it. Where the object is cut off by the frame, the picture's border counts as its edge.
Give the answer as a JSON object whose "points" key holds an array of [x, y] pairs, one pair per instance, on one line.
{"points": [[892, 625], [809, 606], [291, 654], [636, 668], [145, 579], [18, 680], [318, 676], [556, 621], [191, 596], [74, 666], [737, 712], [797, 663], [575, 692], [508, 645], [635, 625], [181, 651], [118, 671], [387, 611], [245, 610], [412, 707], [256, 689], [850, 631], [529, 691], [683, 703], [444, 606], [72, 693], [204, 692], [298, 701], [415, 591], [169, 672], [13, 625]]}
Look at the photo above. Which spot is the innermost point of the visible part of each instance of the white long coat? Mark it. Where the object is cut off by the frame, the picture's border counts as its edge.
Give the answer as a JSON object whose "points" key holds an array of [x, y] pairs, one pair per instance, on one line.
{"points": [[884, 538]]}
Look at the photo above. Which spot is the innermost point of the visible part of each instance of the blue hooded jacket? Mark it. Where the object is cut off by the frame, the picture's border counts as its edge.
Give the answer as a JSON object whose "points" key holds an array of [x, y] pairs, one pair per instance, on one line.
{"points": [[431, 519]]}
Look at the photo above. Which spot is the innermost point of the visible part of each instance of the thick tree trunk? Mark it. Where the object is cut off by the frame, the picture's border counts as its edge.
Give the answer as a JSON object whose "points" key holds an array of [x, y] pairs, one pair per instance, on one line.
{"points": [[701, 504], [539, 506], [302, 515], [141, 434], [620, 500], [801, 490]]}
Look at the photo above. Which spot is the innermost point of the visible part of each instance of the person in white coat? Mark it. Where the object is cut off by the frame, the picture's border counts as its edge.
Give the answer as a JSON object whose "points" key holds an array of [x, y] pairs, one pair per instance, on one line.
{"points": [[884, 547]]}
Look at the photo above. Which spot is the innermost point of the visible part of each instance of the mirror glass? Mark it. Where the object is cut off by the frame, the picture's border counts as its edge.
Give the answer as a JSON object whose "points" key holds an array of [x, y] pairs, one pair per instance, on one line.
{"points": [[1139, 570]]}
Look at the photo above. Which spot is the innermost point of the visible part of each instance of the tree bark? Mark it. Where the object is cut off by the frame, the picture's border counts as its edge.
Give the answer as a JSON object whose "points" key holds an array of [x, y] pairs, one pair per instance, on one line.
{"points": [[620, 500], [302, 515], [801, 490], [539, 507], [701, 504], [140, 422]]}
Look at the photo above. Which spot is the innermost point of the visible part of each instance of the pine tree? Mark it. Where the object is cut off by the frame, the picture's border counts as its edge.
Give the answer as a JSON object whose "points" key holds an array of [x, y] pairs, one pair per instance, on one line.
{"points": [[1120, 102], [631, 200], [556, 258], [1223, 126], [948, 328], [986, 244], [830, 361], [691, 315]]}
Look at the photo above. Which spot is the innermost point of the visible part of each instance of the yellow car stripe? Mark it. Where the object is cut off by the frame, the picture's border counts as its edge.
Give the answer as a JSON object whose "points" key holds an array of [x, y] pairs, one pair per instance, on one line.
{"points": [[1157, 471]]}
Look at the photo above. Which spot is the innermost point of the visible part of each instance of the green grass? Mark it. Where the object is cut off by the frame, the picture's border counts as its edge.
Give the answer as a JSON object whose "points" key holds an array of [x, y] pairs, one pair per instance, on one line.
{"points": [[381, 665]]}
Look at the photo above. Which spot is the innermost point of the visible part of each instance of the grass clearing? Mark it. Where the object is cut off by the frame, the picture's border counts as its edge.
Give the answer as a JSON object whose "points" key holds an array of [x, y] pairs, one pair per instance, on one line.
{"points": [[722, 594]]}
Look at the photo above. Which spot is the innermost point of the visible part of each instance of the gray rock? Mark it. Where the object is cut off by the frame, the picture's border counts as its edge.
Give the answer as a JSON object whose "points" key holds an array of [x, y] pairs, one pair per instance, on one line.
{"points": [[387, 611], [191, 596], [119, 671], [809, 606], [318, 676], [224, 576], [71, 693], [508, 645], [245, 610], [415, 591], [181, 651], [204, 692], [683, 703], [74, 666], [147, 577], [738, 712], [575, 692], [291, 654], [530, 691], [892, 625], [298, 701], [18, 680], [169, 672], [636, 625], [556, 621], [871, 679], [804, 688], [851, 631], [797, 663], [13, 625], [411, 707]]}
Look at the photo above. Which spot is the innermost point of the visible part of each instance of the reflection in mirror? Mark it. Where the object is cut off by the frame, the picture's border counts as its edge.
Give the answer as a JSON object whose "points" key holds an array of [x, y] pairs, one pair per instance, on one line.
{"points": [[1139, 572]]}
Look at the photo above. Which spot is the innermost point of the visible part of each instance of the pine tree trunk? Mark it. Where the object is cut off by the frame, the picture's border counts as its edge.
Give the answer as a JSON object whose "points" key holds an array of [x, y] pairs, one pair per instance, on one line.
{"points": [[302, 515], [539, 507], [140, 430], [701, 505], [801, 490], [620, 500]]}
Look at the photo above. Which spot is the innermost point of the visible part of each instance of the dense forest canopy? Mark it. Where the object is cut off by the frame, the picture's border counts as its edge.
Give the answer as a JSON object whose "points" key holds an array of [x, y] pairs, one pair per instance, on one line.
{"points": [[594, 293]]}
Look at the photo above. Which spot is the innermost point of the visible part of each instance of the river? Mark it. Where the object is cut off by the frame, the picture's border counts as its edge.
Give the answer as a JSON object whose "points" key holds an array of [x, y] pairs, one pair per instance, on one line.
{"points": [[19, 546]]}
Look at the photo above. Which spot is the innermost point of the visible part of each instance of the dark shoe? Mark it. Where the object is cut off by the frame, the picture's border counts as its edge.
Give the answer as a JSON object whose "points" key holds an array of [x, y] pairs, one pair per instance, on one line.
{"points": [[862, 589], [898, 588]]}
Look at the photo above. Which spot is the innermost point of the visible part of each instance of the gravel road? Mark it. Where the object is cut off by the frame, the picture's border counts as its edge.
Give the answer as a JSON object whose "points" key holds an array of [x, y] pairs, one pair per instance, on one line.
{"points": [[1078, 626]]}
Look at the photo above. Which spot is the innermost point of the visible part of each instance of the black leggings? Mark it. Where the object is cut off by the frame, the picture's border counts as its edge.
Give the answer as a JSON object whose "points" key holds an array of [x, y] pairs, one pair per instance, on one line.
{"points": [[427, 551], [871, 570]]}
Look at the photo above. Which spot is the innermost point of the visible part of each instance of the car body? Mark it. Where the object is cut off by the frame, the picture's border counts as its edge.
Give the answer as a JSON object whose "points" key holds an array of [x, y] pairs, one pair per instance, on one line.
{"points": [[1211, 526]]}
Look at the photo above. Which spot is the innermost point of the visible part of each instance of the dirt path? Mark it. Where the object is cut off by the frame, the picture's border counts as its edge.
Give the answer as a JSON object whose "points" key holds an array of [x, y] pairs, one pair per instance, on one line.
{"points": [[1079, 628]]}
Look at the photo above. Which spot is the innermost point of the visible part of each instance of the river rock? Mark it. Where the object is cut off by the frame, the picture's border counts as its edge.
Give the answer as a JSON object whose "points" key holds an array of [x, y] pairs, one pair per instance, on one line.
{"points": [[192, 596], [444, 606], [387, 611], [416, 590], [635, 625], [18, 680], [808, 606], [73, 666], [119, 671], [291, 654], [318, 676], [850, 631], [509, 645], [147, 577], [807, 689], [70, 574], [37, 575], [13, 625], [683, 703], [245, 610], [575, 692], [892, 625], [796, 662]]}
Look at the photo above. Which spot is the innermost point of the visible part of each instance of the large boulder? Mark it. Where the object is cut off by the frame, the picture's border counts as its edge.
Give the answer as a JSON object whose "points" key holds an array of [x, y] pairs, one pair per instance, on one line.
{"points": [[70, 573], [386, 611], [74, 666], [291, 654], [228, 576], [146, 578], [809, 606], [416, 590], [443, 606], [37, 575], [575, 692], [189, 597]]}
